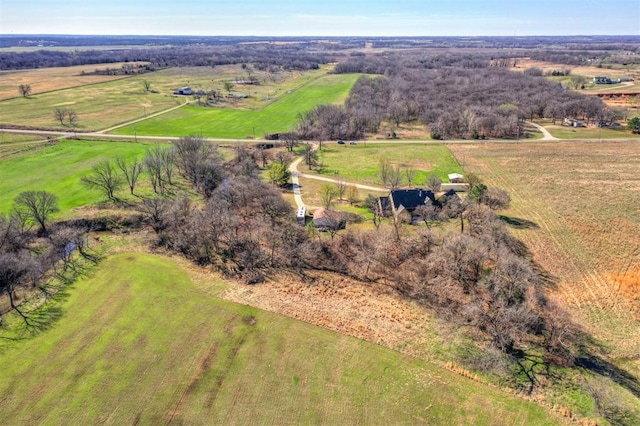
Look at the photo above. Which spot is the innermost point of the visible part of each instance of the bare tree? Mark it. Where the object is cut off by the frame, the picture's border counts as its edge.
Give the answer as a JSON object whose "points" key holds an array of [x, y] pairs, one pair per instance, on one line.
{"points": [[290, 140], [38, 206], [395, 177], [25, 90], [158, 163], [146, 85], [14, 267], [410, 174], [428, 213], [310, 156], [353, 196], [496, 199], [60, 114], [104, 178], [434, 183], [390, 174], [341, 187], [328, 193], [73, 118], [155, 209], [130, 170]]}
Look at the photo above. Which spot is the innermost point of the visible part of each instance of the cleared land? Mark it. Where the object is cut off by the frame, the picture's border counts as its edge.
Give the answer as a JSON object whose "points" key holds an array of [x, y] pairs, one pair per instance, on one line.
{"points": [[361, 162], [57, 168], [612, 71], [566, 132], [272, 85], [50, 79], [98, 106], [138, 342], [278, 116], [576, 206]]}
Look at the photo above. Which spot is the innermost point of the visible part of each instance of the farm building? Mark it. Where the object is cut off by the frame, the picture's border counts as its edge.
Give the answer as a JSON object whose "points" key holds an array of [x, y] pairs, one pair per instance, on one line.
{"points": [[456, 178], [187, 91], [573, 122], [607, 80]]}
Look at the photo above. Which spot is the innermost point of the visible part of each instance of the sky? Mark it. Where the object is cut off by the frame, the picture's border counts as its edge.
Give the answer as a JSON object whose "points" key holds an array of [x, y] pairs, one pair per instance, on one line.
{"points": [[321, 17]]}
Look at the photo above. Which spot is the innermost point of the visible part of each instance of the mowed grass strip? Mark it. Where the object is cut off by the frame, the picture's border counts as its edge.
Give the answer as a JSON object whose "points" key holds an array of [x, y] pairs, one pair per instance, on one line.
{"points": [[279, 116], [361, 162], [58, 168], [138, 343]]}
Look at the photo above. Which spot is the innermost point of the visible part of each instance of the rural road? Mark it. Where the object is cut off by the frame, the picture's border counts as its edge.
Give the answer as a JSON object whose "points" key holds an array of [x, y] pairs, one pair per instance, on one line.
{"points": [[293, 169], [546, 135], [155, 114], [296, 174]]}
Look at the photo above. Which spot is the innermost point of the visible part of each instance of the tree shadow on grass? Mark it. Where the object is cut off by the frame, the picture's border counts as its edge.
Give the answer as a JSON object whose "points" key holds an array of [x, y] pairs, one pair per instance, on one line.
{"points": [[518, 223]]}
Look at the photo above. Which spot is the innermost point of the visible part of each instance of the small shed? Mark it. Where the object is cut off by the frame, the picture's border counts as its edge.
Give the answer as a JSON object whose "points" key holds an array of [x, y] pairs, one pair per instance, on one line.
{"points": [[456, 178], [187, 91]]}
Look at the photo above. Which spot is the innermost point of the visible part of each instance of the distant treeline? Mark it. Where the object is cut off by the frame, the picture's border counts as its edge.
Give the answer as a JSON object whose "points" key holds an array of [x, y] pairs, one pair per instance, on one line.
{"points": [[599, 42], [290, 57]]}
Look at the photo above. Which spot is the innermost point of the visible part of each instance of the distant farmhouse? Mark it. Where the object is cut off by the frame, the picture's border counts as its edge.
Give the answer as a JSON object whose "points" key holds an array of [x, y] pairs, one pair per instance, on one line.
{"points": [[607, 80], [187, 91], [573, 122]]}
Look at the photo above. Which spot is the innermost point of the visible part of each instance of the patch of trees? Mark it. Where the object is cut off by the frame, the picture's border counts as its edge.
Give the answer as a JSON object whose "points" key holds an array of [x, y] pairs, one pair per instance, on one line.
{"points": [[34, 253], [465, 103], [127, 69], [478, 278]]}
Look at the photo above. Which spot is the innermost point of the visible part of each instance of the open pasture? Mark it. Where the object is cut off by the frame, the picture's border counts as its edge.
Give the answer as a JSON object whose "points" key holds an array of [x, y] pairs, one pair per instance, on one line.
{"points": [[361, 162], [273, 85], [278, 116], [566, 132], [577, 207], [50, 79], [97, 106], [58, 168], [137, 342]]}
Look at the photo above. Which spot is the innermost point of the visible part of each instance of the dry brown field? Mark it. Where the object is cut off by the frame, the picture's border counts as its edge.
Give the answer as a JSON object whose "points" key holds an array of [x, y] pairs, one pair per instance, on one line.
{"points": [[48, 79], [626, 92], [578, 205], [588, 71]]}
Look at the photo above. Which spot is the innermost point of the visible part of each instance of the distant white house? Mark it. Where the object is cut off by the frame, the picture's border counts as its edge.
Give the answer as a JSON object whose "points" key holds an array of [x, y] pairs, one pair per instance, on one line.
{"points": [[187, 91]]}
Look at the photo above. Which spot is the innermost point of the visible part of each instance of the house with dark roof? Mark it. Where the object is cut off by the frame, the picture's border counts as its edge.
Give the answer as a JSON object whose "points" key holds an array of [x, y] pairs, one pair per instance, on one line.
{"points": [[405, 201]]}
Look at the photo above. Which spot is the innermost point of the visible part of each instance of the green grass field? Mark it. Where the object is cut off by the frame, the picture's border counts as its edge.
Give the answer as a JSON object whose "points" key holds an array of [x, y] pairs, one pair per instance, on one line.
{"points": [[361, 162], [137, 342], [237, 124], [58, 168], [564, 132]]}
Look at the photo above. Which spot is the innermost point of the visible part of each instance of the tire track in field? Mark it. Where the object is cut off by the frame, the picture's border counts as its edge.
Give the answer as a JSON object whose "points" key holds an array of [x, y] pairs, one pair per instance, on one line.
{"points": [[601, 295], [599, 292]]}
